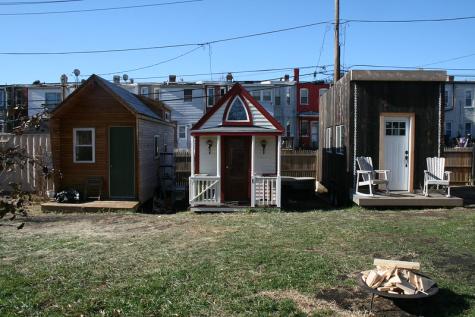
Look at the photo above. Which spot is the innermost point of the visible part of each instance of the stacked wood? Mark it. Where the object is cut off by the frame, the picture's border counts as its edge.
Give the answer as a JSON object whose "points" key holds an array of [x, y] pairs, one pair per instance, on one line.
{"points": [[397, 277]]}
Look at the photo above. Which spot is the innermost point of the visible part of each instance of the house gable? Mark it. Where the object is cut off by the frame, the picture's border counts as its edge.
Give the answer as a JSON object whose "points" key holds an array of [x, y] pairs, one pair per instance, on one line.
{"points": [[256, 115]]}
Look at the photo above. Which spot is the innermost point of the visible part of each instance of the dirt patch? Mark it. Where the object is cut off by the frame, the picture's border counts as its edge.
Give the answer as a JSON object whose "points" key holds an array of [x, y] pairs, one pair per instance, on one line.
{"points": [[460, 265], [309, 304]]}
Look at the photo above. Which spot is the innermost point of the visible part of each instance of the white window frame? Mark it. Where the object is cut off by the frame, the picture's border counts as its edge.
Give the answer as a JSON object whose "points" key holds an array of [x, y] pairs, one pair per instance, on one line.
{"points": [[231, 106], [471, 98], [156, 94], [144, 91], [269, 91], [208, 96], [328, 139], [93, 130], [307, 92], [339, 138], [178, 131], [156, 146]]}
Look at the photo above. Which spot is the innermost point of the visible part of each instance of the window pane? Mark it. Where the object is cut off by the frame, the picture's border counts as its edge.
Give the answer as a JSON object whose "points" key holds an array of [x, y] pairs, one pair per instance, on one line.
{"points": [[84, 137], [188, 95], [277, 100], [237, 112], [267, 95], [389, 131], [83, 153]]}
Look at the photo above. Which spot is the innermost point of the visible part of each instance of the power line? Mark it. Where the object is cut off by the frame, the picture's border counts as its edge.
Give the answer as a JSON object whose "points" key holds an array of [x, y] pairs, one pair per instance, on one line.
{"points": [[171, 45], [409, 20], [449, 60], [12, 3], [100, 9]]}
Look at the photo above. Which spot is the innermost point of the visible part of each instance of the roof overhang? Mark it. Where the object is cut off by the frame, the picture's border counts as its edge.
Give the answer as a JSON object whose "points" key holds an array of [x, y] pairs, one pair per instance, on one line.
{"points": [[398, 75]]}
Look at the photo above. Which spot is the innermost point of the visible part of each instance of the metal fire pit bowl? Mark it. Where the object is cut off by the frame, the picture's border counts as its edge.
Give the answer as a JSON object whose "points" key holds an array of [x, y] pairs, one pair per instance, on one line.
{"points": [[430, 292]]}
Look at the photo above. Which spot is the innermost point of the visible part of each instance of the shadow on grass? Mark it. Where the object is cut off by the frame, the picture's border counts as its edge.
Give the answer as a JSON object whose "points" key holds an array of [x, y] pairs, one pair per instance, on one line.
{"points": [[444, 303]]}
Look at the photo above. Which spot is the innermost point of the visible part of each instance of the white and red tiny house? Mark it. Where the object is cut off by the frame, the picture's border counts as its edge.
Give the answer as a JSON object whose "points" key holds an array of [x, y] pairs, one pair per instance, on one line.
{"points": [[235, 150]]}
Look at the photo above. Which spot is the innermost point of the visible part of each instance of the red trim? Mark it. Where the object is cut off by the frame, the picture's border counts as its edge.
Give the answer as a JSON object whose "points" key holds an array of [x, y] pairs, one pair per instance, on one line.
{"points": [[237, 89], [197, 133], [234, 123], [197, 155], [223, 161]]}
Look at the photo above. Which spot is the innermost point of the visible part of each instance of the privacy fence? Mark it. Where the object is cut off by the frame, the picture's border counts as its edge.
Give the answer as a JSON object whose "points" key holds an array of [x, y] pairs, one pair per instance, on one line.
{"points": [[460, 161], [31, 177]]}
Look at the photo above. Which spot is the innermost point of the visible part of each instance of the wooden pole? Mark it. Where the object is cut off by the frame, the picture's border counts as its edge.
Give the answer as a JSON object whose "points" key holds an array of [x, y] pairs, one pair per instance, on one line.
{"points": [[336, 68]]}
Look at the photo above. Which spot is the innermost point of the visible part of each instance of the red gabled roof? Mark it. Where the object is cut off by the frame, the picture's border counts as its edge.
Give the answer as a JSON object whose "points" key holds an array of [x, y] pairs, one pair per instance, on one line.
{"points": [[238, 90]]}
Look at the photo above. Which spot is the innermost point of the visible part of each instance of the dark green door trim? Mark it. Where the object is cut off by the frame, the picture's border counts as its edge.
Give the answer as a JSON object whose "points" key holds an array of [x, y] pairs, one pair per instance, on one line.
{"points": [[121, 162]]}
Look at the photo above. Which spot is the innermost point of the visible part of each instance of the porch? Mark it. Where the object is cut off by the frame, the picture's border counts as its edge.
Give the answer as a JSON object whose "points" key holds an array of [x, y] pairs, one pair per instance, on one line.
{"points": [[407, 199], [91, 206]]}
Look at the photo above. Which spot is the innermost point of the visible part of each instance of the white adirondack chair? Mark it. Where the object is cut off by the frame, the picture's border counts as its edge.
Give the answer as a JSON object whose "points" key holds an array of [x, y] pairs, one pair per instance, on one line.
{"points": [[435, 174], [367, 176]]}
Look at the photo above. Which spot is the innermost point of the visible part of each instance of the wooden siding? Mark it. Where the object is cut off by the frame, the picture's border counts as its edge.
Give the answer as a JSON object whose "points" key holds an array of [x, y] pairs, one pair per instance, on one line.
{"points": [[90, 108], [460, 161], [370, 99], [147, 163]]}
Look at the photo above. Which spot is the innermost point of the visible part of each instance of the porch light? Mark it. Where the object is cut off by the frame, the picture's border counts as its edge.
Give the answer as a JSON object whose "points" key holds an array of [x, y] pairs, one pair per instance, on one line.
{"points": [[210, 145], [263, 144]]}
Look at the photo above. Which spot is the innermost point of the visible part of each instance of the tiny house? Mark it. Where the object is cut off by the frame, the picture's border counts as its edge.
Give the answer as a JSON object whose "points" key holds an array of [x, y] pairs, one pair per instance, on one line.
{"points": [[235, 152], [105, 132], [394, 117]]}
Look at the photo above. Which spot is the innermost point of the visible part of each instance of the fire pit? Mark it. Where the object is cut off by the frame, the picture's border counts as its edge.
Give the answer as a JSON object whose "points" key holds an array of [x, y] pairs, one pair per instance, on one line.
{"points": [[396, 280]]}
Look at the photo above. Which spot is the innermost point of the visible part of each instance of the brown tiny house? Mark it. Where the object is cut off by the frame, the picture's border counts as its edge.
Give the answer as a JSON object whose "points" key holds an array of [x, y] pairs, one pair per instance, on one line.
{"points": [[104, 131], [394, 117]]}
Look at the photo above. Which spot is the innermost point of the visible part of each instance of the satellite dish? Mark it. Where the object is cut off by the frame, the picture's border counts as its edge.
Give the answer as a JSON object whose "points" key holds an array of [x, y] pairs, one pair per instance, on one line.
{"points": [[125, 77], [76, 72]]}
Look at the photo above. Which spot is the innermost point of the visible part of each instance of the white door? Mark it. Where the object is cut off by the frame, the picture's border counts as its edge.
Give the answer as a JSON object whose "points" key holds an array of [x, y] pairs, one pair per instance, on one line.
{"points": [[396, 151], [314, 134]]}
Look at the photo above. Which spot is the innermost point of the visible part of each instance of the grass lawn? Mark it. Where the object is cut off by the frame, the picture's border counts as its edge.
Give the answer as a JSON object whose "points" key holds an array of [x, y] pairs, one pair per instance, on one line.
{"points": [[253, 264]]}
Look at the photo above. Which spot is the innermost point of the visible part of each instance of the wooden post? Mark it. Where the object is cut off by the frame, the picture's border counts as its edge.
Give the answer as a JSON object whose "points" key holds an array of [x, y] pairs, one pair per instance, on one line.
{"points": [[336, 68], [253, 185], [191, 187], [218, 167]]}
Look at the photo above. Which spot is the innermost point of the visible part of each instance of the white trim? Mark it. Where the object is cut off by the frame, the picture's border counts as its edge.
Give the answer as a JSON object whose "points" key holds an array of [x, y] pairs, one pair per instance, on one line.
{"points": [[93, 130], [144, 91], [208, 89], [192, 156], [339, 138], [156, 93], [300, 96], [471, 98], [231, 106], [328, 139], [178, 131], [253, 185]]}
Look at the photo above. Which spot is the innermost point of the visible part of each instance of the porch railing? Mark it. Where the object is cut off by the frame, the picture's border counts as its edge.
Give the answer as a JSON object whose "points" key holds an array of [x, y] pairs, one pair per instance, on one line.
{"points": [[205, 190], [266, 191]]}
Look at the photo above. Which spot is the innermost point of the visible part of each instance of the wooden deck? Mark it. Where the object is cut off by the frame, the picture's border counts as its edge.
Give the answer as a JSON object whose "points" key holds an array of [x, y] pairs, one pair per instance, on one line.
{"points": [[92, 206], [405, 199]]}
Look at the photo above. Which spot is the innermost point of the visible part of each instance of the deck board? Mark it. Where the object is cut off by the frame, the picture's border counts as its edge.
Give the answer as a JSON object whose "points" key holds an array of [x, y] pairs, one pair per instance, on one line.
{"points": [[92, 206], [405, 199]]}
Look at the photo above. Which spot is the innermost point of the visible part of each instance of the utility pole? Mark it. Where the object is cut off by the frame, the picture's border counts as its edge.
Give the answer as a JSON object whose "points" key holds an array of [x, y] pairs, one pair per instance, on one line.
{"points": [[336, 67]]}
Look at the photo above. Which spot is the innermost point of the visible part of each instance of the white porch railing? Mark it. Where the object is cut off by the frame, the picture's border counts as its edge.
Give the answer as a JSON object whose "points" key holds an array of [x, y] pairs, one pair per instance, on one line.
{"points": [[266, 191], [205, 190]]}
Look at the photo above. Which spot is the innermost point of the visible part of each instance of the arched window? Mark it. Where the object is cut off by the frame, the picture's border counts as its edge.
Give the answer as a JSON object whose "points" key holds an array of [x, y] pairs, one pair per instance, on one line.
{"points": [[237, 111]]}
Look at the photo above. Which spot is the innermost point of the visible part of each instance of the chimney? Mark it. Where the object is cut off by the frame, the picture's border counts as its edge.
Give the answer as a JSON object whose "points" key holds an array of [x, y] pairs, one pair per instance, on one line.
{"points": [[296, 74], [116, 79], [229, 77], [286, 77], [172, 78], [450, 78]]}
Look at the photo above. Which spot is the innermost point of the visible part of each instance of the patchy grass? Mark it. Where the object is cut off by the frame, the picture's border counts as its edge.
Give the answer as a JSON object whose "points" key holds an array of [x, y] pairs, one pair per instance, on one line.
{"points": [[291, 264]]}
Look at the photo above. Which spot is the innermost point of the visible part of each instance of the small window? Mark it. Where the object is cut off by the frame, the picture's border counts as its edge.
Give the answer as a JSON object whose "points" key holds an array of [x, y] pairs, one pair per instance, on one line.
{"points": [[156, 146], [304, 96], [182, 131], [222, 91], [328, 139], [267, 95], [446, 99], [2, 99], [395, 128], [339, 139], [277, 97], [165, 143], [144, 91], [468, 128], [287, 96], [256, 94], [468, 98], [156, 93], [210, 94], [187, 95], [52, 99], [288, 130], [448, 129], [237, 111], [84, 140], [304, 128], [167, 116]]}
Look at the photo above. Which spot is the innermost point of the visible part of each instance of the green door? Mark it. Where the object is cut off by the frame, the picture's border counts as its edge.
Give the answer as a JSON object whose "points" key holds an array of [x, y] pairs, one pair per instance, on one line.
{"points": [[121, 162]]}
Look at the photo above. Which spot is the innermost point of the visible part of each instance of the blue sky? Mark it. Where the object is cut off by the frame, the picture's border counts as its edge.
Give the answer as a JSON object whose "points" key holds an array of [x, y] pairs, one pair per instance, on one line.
{"points": [[380, 44]]}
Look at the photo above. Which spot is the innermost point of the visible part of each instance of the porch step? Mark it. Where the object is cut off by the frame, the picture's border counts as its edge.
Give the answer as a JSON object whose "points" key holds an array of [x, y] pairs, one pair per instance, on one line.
{"points": [[405, 199], [91, 206], [224, 208]]}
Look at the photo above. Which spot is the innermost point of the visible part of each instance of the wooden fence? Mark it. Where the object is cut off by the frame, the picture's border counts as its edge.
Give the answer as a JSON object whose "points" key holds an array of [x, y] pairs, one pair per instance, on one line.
{"points": [[31, 177], [460, 161], [295, 163]]}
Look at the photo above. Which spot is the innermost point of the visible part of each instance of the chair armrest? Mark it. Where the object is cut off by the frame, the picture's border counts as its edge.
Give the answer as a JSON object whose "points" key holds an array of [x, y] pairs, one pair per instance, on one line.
{"points": [[448, 173], [381, 171], [363, 172]]}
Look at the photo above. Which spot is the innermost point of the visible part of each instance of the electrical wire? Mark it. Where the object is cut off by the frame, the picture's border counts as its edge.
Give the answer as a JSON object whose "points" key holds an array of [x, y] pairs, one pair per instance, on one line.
{"points": [[409, 20], [449, 60], [99, 9], [15, 3]]}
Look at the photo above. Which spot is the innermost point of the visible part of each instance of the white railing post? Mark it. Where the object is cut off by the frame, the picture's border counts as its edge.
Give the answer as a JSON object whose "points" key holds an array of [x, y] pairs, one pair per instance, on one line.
{"points": [[218, 168], [278, 191], [253, 180]]}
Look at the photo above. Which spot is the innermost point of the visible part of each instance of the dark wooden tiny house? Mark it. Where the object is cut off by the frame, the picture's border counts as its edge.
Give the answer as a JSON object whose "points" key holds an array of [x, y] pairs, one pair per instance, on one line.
{"points": [[395, 117], [104, 131]]}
